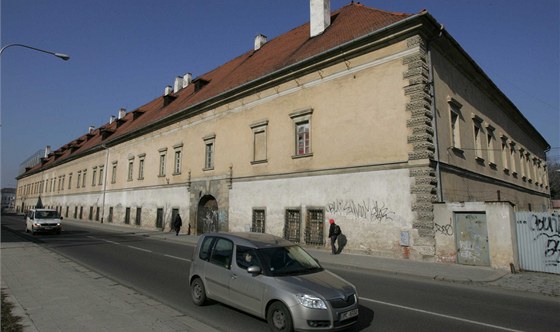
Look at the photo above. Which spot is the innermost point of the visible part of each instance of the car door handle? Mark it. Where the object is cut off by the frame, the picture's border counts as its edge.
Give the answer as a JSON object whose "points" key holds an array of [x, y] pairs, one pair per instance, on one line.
{"points": [[233, 276]]}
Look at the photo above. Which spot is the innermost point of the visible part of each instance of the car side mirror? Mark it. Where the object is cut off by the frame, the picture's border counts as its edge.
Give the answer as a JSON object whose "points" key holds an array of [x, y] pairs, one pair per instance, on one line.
{"points": [[254, 270]]}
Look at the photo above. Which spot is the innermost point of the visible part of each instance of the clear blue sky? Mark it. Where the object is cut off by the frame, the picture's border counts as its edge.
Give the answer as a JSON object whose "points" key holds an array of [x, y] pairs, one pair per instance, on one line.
{"points": [[124, 53]]}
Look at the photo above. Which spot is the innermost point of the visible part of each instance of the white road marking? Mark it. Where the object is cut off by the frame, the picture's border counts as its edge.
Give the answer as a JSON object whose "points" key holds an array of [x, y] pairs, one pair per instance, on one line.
{"points": [[108, 241], [179, 258], [141, 249], [441, 315]]}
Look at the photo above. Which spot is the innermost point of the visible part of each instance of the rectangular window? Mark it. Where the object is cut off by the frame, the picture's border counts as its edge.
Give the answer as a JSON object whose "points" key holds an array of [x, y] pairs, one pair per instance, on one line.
{"points": [[159, 218], [130, 169], [81, 212], [162, 161], [209, 142], [138, 220], [141, 166], [174, 213], [94, 174], [90, 216], [302, 125], [302, 138], [209, 163], [101, 174], [259, 141], [259, 216], [478, 133], [75, 212], [79, 178], [454, 122], [110, 216], [292, 225], [505, 156], [314, 222], [127, 216], [114, 173], [512, 158], [178, 160], [84, 179], [522, 164], [97, 213], [490, 138]]}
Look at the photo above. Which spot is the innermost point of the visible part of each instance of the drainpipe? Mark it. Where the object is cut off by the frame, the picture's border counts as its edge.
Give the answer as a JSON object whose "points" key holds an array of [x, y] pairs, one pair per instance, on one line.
{"points": [[106, 167], [434, 114]]}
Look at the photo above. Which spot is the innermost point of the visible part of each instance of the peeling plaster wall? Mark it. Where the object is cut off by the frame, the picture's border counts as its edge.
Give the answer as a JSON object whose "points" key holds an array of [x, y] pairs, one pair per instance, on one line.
{"points": [[372, 208], [500, 221]]}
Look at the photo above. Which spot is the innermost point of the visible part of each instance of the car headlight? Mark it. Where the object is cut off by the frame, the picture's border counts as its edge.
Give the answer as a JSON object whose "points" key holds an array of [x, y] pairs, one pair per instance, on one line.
{"points": [[311, 301]]}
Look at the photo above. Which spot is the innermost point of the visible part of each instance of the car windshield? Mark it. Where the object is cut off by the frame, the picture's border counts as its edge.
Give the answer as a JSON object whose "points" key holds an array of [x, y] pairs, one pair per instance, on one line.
{"points": [[291, 260], [46, 214]]}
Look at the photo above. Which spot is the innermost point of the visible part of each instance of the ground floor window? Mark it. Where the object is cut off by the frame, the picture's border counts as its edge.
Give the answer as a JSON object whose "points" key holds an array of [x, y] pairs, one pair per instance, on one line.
{"points": [[292, 225], [127, 216], [138, 220], [110, 217], [314, 226], [258, 221]]}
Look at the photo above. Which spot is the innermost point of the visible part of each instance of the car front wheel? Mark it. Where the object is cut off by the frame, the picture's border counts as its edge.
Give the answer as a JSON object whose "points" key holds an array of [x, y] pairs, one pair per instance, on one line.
{"points": [[198, 292], [279, 318]]}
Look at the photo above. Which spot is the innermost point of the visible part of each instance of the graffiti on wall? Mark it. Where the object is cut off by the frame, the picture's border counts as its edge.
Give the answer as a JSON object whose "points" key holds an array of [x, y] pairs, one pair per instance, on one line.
{"points": [[370, 210], [543, 232], [444, 229]]}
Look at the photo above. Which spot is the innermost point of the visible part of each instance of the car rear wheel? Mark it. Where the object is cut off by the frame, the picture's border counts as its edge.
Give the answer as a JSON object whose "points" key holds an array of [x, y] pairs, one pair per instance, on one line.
{"points": [[198, 292], [279, 318]]}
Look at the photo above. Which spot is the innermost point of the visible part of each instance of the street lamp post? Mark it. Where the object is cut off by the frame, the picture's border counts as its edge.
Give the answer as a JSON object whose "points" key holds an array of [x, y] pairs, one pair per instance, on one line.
{"points": [[58, 55]]}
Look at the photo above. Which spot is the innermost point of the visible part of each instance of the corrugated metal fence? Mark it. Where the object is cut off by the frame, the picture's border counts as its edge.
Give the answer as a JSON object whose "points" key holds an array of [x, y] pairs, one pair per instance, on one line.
{"points": [[538, 241]]}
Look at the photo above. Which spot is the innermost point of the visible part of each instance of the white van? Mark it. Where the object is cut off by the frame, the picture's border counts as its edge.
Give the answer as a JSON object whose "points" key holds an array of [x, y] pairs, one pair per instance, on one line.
{"points": [[43, 220]]}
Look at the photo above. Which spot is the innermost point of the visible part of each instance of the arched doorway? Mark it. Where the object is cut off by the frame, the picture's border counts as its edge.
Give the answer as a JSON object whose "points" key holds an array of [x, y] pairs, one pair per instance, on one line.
{"points": [[207, 215]]}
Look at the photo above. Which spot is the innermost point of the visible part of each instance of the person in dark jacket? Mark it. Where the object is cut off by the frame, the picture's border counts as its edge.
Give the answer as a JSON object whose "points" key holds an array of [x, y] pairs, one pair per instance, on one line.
{"points": [[177, 224], [334, 231]]}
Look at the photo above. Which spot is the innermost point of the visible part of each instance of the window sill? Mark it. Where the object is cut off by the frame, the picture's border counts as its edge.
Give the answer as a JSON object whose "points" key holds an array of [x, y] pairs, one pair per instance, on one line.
{"points": [[208, 169], [306, 155], [479, 160], [256, 162], [179, 173], [457, 150]]}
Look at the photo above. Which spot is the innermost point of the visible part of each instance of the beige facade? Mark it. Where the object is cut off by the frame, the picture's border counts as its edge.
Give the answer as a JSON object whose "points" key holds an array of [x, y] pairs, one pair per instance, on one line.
{"points": [[348, 134]]}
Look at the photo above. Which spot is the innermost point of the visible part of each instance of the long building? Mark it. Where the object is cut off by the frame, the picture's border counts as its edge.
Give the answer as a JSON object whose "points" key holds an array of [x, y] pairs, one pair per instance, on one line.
{"points": [[369, 117]]}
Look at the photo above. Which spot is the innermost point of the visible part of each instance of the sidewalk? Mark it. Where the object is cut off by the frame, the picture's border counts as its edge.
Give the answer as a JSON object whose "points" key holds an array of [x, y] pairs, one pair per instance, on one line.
{"points": [[53, 300]]}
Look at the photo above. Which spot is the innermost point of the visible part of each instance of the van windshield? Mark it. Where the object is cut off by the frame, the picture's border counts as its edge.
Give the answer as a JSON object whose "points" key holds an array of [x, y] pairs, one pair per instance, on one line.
{"points": [[291, 260], [46, 215]]}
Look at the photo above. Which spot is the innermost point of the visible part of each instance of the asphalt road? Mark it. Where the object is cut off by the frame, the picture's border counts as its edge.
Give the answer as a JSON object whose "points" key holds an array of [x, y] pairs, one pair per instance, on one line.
{"points": [[159, 269]]}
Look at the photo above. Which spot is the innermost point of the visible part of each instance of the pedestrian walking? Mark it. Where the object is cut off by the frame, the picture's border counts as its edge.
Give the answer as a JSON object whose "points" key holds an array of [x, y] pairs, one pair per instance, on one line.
{"points": [[334, 232], [177, 224]]}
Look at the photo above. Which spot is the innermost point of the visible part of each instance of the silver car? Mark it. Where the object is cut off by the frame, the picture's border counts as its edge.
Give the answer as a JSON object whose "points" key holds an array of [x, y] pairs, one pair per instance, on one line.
{"points": [[43, 220], [271, 278]]}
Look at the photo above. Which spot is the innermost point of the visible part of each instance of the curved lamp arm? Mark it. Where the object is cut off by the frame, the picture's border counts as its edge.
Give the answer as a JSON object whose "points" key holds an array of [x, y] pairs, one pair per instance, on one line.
{"points": [[58, 55]]}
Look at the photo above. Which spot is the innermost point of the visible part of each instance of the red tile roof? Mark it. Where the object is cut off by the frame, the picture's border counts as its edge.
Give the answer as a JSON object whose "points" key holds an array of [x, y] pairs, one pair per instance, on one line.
{"points": [[348, 23]]}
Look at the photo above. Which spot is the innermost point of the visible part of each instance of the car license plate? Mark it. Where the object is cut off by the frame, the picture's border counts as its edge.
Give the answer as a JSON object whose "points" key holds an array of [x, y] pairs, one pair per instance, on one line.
{"points": [[349, 314]]}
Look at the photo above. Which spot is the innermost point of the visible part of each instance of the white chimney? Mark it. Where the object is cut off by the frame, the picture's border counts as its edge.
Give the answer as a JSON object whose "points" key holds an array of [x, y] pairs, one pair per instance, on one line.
{"points": [[91, 129], [47, 151], [260, 40], [111, 119], [187, 79], [168, 90], [178, 84], [122, 113], [320, 16]]}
